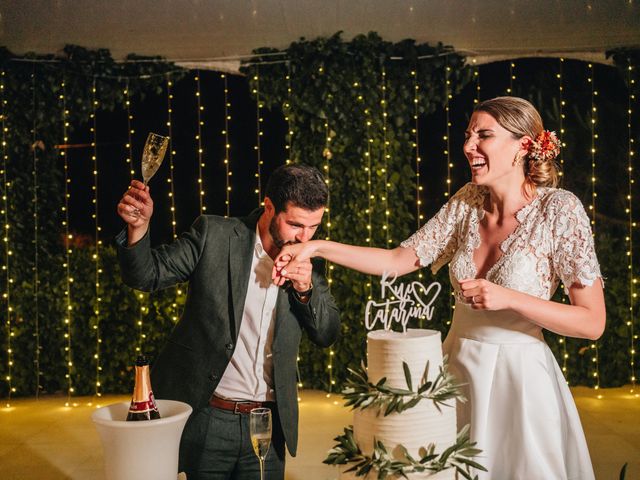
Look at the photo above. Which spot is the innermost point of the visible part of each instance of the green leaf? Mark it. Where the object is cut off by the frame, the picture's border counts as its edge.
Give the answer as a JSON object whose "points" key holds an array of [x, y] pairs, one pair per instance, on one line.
{"points": [[407, 375]]}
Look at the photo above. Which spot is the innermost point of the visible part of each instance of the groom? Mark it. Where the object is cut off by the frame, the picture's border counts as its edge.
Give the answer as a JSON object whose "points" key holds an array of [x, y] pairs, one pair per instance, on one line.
{"points": [[235, 347]]}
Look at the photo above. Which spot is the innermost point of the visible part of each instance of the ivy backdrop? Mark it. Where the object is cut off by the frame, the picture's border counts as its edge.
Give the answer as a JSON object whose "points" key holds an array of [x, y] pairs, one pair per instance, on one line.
{"points": [[363, 111]]}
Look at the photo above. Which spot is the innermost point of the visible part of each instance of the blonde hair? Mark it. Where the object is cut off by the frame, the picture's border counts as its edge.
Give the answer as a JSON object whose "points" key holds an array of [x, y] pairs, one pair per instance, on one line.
{"points": [[522, 119]]}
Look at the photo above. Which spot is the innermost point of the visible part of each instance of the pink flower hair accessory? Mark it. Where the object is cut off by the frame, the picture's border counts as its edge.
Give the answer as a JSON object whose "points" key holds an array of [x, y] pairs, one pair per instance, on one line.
{"points": [[545, 147]]}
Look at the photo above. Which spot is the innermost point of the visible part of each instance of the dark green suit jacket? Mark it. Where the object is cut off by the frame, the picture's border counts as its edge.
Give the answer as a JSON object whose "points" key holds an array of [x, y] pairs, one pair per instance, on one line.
{"points": [[214, 256]]}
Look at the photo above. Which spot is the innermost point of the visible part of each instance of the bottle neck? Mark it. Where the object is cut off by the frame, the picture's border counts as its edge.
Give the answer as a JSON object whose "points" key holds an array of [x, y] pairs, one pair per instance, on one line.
{"points": [[142, 387]]}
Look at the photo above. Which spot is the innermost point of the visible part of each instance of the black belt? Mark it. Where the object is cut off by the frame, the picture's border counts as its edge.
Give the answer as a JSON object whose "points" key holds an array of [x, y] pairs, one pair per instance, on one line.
{"points": [[243, 406]]}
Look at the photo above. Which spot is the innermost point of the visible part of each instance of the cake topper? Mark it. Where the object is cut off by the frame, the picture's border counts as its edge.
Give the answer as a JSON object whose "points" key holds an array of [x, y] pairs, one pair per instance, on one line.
{"points": [[400, 302]]}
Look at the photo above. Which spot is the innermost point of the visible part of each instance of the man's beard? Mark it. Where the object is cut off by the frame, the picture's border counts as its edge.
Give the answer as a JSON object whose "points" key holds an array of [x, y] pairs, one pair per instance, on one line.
{"points": [[275, 235]]}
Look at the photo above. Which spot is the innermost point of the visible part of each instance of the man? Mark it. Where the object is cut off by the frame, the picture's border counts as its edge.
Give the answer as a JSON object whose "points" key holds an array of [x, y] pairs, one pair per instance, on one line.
{"points": [[236, 345]]}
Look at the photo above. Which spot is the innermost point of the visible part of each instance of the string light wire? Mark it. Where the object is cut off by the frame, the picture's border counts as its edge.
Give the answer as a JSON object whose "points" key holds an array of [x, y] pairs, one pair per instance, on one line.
{"points": [[172, 193], [595, 359], [227, 145], [632, 225], [561, 117], [7, 244], [258, 147], [98, 242], [68, 317], [36, 238], [200, 109]]}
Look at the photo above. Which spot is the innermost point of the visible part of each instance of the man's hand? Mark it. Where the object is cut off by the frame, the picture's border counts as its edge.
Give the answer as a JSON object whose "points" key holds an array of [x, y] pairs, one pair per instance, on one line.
{"points": [[299, 273], [136, 209]]}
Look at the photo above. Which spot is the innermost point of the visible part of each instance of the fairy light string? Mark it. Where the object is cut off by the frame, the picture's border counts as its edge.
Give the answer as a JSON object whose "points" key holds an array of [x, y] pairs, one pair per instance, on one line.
{"points": [[632, 225], [36, 253], [385, 158], [327, 180], [172, 193], [368, 167], [561, 117], [68, 237], [447, 155], [512, 77], [257, 146], [227, 146], [476, 79], [7, 244], [97, 241], [416, 146], [200, 109], [172, 153], [287, 116], [128, 145], [595, 358]]}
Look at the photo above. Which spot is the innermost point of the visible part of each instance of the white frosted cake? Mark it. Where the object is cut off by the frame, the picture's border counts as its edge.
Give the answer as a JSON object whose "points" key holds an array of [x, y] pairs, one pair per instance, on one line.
{"points": [[416, 427]]}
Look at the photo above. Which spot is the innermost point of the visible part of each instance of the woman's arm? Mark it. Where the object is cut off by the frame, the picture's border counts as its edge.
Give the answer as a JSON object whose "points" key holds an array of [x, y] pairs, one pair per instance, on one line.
{"points": [[584, 318], [374, 261]]}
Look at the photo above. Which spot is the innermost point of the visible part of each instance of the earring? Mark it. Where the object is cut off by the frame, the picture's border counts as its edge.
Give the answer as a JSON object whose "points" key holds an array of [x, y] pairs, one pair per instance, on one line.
{"points": [[517, 160]]}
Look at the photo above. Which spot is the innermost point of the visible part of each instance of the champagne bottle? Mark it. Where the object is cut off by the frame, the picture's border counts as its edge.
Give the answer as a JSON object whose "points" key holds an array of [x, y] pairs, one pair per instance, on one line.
{"points": [[143, 405]]}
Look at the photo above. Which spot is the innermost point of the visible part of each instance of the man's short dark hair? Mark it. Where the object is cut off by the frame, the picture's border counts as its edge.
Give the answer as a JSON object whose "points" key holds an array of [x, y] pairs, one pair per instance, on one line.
{"points": [[299, 184]]}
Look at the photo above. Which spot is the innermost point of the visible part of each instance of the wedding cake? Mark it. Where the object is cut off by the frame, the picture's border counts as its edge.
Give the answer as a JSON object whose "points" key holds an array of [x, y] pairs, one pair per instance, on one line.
{"points": [[411, 428]]}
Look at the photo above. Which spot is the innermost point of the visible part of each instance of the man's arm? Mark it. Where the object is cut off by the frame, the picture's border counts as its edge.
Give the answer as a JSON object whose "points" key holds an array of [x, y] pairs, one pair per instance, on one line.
{"points": [[147, 269], [319, 316]]}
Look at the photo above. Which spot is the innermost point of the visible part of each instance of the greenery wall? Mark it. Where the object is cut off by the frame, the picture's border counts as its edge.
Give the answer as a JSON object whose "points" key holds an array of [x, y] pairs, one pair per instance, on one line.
{"points": [[329, 94], [357, 127], [336, 86], [33, 312]]}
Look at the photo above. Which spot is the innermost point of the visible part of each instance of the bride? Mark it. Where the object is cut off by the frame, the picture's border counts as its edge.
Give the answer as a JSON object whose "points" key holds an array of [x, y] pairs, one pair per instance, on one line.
{"points": [[509, 237]]}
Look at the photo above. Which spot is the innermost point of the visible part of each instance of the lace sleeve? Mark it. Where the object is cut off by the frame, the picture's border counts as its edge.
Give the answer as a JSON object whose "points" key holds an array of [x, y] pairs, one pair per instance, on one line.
{"points": [[437, 240], [574, 254]]}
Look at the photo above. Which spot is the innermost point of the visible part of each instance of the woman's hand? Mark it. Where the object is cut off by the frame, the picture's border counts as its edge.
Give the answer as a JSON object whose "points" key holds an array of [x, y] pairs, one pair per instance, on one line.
{"points": [[293, 263], [482, 294]]}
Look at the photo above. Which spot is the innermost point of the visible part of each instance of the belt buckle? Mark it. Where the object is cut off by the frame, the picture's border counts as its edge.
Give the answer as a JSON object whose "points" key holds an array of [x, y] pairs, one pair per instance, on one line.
{"points": [[238, 406]]}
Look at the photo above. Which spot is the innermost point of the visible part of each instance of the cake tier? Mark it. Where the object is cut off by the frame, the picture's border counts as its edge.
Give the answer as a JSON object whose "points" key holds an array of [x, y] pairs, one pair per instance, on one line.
{"points": [[414, 428], [386, 350]]}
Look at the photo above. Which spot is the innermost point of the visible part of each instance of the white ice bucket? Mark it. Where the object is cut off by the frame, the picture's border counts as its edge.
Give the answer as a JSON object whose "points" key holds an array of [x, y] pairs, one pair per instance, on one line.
{"points": [[141, 450]]}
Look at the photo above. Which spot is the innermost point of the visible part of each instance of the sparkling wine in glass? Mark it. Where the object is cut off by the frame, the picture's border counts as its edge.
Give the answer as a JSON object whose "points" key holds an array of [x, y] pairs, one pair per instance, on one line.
{"points": [[154, 149], [260, 431], [152, 155]]}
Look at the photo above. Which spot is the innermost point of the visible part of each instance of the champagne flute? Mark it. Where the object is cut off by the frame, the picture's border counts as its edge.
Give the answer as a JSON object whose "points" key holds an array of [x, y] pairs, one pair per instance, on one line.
{"points": [[260, 431], [152, 155]]}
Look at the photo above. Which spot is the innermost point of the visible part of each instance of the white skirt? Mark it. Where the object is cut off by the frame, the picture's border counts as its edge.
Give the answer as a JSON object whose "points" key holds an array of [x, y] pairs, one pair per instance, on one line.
{"points": [[521, 411]]}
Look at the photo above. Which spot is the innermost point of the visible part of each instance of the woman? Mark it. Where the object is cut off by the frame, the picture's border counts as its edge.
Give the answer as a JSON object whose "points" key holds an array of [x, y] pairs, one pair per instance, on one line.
{"points": [[509, 237]]}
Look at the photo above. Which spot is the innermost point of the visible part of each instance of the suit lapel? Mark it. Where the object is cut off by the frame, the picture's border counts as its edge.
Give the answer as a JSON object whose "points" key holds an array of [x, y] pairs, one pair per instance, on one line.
{"points": [[241, 250], [282, 305]]}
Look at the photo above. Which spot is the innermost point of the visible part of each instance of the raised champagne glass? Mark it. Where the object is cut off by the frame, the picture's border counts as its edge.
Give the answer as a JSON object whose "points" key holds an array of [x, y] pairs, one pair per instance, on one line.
{"points": [[260, 431], [152, 155]]}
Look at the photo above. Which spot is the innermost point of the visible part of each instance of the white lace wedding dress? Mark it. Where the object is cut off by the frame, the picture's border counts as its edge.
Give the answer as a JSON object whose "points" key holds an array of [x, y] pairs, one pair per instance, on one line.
{"points": [[520, 409]]}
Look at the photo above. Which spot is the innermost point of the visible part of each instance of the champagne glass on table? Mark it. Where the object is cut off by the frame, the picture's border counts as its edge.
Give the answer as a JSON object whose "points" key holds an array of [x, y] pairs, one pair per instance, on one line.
{"points": [[260, 431], [152, 155]]}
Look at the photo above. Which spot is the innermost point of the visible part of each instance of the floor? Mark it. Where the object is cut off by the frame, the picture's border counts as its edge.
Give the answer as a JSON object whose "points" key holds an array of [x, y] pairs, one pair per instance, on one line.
{"points": [[44, 440]]}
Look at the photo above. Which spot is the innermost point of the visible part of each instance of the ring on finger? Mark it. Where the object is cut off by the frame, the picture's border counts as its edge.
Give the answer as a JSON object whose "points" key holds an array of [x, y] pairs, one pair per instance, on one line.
{"points": [[473, 299]]}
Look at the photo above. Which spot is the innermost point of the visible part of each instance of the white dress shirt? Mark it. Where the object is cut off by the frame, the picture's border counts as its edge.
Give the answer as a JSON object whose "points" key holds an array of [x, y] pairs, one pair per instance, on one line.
{"points": [[249, 375]]}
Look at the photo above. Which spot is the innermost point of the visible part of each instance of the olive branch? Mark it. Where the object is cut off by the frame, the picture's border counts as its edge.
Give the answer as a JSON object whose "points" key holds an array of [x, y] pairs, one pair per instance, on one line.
{"points": [[360, 393], [458, 456]]}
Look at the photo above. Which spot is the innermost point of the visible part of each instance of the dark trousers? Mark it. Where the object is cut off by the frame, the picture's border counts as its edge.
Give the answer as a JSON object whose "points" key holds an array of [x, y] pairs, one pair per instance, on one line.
{"points": [[216, 445]]}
